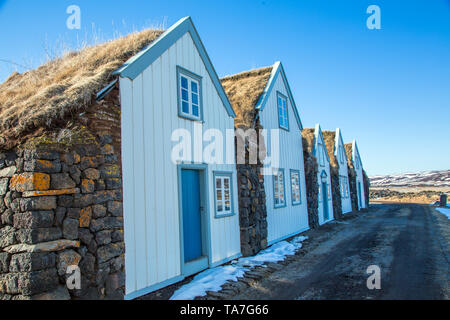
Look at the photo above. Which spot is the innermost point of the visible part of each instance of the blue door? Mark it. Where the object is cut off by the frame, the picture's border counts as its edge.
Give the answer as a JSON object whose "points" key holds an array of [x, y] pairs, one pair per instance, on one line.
{"points": [[192, 222], [326, 215]]}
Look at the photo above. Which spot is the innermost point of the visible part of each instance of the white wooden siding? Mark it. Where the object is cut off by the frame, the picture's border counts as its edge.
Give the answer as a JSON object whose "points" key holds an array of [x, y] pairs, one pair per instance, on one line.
{"points": [[346, 203], [360, 179], [287, 220], [326, 168], [151, 207]]}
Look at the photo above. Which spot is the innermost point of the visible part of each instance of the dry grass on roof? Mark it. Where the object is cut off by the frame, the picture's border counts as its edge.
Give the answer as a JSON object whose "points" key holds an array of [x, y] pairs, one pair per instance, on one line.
{"points": [[309, 136], [49, 96], [244, 91], [330, 141], [349, 151]]}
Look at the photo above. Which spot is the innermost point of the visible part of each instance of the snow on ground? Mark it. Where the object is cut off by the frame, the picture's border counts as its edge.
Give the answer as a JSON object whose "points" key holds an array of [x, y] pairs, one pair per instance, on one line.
{"points": [[444, 211], [213, 279]]}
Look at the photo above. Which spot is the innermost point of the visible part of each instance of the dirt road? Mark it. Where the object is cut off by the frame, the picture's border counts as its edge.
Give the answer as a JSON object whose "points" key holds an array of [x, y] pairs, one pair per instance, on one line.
{"points": [[410, 243]]}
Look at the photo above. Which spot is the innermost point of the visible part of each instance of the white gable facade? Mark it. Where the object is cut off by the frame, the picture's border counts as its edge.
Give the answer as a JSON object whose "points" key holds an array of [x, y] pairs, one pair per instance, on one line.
{"points": [[285, 183], [357, 164], [341, 157], [323, 178], [180, 212]]}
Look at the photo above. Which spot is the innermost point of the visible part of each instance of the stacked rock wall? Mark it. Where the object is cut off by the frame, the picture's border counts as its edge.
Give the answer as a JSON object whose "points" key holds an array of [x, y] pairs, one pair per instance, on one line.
{"points": [[336, 192], [60, 207], [352, 185], [312, 187], [252, 199], [366, 188]]}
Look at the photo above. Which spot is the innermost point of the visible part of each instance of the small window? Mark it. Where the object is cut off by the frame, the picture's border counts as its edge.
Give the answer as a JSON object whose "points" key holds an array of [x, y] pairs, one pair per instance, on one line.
{"points": [[278, 189], [295, 187], [283, 112], [189, 104], [223, 194]]}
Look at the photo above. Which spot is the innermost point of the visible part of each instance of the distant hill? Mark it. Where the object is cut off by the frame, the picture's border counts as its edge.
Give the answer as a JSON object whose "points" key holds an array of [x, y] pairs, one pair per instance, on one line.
{"points": [[420, 179]]}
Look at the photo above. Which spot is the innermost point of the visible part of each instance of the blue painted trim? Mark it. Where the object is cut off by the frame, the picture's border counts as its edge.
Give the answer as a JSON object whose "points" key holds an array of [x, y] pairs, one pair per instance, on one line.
{"points": [[228, 174], [137, 64], [226, 260], [288, 236], [278, 69], [189, 74], [299, 188], [282, 96], [284, 190], [319, 136], [142, 292]]}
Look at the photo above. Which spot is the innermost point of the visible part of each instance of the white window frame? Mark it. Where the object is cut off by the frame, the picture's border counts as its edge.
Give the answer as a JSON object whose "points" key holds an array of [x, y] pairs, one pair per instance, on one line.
{"points": [[192, 79], [283, 111], [220, 204], [277, 187], [296, 191]]}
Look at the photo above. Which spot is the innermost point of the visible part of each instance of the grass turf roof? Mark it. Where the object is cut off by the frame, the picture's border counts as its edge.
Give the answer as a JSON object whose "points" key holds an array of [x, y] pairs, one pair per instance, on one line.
{"points": [[244, 91], [330, 141], [349, 152], [48, 97], [309, 138]]}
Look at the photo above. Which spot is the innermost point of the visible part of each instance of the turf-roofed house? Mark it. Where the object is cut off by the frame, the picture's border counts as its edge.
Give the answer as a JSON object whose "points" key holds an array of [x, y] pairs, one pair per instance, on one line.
{"points": [[262, 99], [320, 193], [359, 182], [89, 178], [339, 172]]}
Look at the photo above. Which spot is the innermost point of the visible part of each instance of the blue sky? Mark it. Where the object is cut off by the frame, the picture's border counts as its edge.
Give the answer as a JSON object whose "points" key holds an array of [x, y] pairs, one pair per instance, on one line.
{"points": [[388, 88]]}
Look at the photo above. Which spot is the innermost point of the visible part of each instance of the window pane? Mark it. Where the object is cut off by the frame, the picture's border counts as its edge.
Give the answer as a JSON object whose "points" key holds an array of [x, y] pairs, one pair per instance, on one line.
{"points": [[195, 110], [219, 195], [184, 95], [185, 107], [219, 207], [227, 205], [226, 183], [194, 87], [218, 183], [184, 83], [195, 98]]}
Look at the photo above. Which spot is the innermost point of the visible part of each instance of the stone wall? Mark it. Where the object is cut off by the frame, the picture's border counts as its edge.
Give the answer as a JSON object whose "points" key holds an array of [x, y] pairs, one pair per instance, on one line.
{"points": [[60, 206], [336, 192], [312, 188], [252, 210], [61, 209], [252, 202], [366, 188], [352, 185]]}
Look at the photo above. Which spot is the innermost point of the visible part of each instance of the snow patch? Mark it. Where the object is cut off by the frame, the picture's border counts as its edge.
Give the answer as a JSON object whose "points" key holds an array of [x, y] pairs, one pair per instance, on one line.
{"points": [[444, 211], [213, 279]]}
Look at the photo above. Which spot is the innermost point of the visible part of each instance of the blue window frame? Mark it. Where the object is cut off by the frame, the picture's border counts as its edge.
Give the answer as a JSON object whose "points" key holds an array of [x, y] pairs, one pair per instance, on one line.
{"points": [[279, 194], [223, 194], [189, 95], [295, 187], [283, 117]]}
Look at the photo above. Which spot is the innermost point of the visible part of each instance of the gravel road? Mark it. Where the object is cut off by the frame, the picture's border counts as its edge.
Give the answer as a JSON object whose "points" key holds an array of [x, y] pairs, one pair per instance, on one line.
{"points": [[410, 243]]}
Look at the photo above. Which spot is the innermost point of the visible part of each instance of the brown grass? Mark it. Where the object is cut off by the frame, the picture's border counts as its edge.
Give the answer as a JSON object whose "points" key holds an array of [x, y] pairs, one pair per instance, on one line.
{"points": [[349, 152], [244, 91], [309, 137], [330, 141], [51, 95]]}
